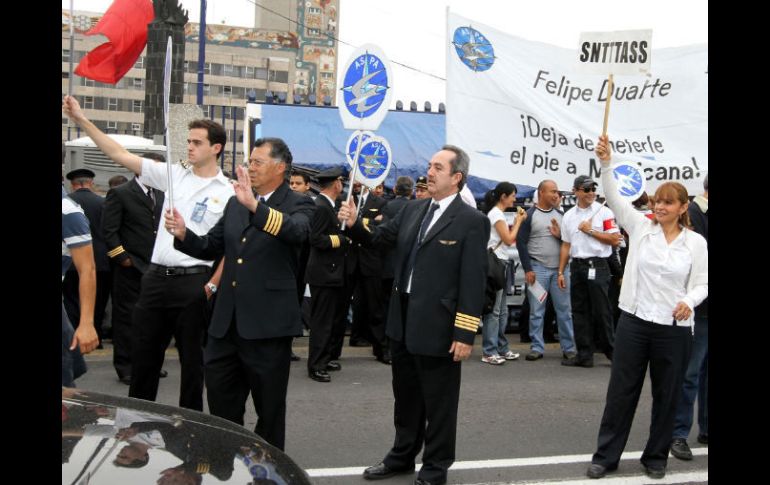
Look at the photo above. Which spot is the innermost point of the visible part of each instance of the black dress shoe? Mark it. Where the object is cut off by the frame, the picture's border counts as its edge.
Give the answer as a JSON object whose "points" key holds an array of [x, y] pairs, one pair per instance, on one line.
{"points": [[125, 380], [577, 362], [163, 373], [320, 376], [333, 366], [596, 471], [295, 357], [654, 472], [703, 439], [422, 481], [680, 449], [380, 471]]}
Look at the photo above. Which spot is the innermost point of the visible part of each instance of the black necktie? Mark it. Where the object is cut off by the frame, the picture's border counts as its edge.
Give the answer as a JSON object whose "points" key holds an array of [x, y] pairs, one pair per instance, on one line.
{"points": [[151, 195], [262, 200], [413, 254]]}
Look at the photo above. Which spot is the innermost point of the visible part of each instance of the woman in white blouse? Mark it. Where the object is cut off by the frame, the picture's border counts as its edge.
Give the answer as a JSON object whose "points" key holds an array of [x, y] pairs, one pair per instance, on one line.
{"points": [[495, 349], [666, 277]]}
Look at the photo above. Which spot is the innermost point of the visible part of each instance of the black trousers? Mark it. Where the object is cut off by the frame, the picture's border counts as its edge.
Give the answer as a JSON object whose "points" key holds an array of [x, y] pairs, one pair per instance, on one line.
{"points": [[126, 284], [591, 309], [71, 298], [327, 325], [667, 350], [236, 366], [369, 313], [427, 392], [169, 305]]}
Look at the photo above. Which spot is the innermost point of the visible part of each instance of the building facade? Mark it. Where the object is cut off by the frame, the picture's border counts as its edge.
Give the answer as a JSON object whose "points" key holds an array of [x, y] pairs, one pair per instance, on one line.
{"points": [[291, 51]]}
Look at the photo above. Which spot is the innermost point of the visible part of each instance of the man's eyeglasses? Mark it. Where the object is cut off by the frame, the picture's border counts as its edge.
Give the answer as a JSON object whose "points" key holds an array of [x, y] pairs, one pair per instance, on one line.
{"points": [[588, 189]]}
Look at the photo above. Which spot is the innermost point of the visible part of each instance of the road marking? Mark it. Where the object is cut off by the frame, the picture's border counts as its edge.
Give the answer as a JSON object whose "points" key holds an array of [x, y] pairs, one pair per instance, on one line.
{"points": [[684, 477], [502, 463]]}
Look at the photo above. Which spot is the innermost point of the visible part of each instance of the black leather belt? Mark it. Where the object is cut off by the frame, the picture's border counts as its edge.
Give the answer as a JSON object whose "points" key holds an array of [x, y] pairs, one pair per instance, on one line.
{"points": [[595, 258], [177, 270]]}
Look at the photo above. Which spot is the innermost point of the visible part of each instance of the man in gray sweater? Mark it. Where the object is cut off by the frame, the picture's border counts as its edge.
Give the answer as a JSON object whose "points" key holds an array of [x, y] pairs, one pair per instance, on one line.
{"points": [[539, 245]]}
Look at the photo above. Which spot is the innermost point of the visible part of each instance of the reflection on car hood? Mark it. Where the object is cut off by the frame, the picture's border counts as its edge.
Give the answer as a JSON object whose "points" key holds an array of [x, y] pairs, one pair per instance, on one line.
{"points": [[113, 440]]}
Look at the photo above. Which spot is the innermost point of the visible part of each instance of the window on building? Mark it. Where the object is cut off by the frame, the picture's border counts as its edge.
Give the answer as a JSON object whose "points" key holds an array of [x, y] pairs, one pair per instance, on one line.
{"points": [[261, 73], [84, 81], [112, 126], [279, 76], [88, 102], [136, 127], [138, 83], [206, 110], [206, 68], [136, 106], [227, 70], [249, 72], [65, 75], [327, 75], [239, 92], [206, 89], [227, 90], [65, 55], [139, 64], [64, 121], [112, 104]]}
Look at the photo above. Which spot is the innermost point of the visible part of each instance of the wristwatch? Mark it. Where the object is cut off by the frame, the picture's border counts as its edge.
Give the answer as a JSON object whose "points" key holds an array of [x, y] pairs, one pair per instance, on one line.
{"points": [[212, 287]]}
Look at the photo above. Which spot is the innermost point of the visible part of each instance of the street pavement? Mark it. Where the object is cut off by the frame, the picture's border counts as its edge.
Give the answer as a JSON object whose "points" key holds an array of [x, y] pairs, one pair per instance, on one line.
{"points": [[522, 422]]}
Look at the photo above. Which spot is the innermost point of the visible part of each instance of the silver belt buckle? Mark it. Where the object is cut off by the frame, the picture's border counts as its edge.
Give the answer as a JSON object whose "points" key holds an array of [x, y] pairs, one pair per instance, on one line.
{"points": [[170, 272]]}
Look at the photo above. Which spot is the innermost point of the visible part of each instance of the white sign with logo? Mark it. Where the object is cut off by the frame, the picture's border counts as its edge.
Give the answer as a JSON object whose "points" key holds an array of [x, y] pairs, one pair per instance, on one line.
{"points": [[523, 115]]}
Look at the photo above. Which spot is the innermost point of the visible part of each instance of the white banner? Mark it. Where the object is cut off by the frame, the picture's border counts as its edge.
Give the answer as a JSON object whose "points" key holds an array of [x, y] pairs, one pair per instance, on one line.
{"points": [[523, 115]]}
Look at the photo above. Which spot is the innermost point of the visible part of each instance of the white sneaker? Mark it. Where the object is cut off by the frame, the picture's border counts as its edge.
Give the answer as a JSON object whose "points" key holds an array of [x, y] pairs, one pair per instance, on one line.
{"points": [[493, 359], [511, 355]]}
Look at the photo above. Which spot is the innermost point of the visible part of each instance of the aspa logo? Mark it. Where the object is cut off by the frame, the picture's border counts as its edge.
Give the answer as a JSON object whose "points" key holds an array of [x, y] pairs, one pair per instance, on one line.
{"points": [[630, 180], [365, 85], [473, 49], [373, 159]]}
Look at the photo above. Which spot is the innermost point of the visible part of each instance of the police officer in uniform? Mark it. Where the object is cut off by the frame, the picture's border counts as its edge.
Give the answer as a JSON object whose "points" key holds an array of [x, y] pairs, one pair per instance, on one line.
{"points": [[326, 276]]}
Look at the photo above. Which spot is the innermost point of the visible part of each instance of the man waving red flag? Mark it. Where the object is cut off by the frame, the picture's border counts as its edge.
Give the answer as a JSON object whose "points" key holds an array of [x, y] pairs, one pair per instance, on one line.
{"points": [[125, 25]]}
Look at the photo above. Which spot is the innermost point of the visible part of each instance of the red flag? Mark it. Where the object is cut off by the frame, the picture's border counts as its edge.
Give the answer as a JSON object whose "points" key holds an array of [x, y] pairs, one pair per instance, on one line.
{"points": [[125, 25]]}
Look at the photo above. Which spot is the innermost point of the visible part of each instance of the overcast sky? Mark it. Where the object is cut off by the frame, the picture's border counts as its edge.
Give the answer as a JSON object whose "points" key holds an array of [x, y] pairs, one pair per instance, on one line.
{"points": [[412, 32]]}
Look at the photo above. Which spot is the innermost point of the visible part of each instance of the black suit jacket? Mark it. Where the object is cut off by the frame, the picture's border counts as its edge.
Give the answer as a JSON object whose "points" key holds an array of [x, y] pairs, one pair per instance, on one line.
{"points": [[259, 281], [328, 247], [92, 205], [390, 211], [131, 224], [449, 278], [367, 260]]}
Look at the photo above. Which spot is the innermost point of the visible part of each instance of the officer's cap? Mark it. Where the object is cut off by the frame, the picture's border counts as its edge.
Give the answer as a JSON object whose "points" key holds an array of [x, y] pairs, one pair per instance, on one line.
{"points": [[422, 182], [80, 173], [329, 174]]}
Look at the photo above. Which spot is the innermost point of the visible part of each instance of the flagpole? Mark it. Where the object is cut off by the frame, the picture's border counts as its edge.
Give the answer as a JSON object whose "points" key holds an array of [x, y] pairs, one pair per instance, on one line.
{"points": [[201, 54], [72, 43], [353, 172], [166, 94]]}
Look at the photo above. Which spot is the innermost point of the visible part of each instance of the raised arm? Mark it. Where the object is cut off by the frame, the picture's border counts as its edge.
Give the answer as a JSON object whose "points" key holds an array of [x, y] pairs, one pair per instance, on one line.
{"points": [[628, 217], [110, 147]]}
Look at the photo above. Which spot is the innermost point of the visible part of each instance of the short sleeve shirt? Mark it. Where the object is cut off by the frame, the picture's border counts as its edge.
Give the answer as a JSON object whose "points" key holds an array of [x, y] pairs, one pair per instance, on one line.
{"points": [[495, 215], [582, 244], [200, 200], [75, 231]]}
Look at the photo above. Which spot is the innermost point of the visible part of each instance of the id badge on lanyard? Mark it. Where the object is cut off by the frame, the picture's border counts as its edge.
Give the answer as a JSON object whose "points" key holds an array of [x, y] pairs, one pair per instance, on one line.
{"points": [[199, 211]]}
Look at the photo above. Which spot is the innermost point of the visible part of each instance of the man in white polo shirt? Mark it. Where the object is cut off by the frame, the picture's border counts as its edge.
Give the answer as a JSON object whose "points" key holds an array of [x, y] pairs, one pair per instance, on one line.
{"points": [[588, 235]]}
